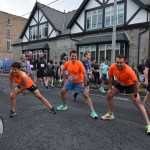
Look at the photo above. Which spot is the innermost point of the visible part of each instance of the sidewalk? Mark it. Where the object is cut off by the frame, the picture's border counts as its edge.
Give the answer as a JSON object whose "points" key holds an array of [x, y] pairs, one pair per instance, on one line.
{"points": [[142, 90]]}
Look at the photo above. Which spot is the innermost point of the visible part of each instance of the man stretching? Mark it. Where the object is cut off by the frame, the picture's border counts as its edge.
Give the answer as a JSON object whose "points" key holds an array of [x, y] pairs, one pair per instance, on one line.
{"points": [[24, 83]]}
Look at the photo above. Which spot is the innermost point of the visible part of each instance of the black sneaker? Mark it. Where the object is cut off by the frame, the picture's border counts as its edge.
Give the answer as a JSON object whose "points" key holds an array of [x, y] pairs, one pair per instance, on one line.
{"points": [[52, 110], [12, 113], [47, 88], [75, 95]]}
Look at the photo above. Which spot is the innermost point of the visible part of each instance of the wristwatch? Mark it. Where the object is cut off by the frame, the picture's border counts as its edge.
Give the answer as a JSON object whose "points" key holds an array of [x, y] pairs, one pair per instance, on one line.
{"points": [[135, 95]]}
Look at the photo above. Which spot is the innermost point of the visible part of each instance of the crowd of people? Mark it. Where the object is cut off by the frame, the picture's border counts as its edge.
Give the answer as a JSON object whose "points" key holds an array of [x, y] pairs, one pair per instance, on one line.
{"points": [[76, 74]]}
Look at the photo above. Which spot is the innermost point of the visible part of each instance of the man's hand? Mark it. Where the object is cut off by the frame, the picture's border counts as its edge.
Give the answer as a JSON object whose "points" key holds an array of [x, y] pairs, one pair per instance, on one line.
{"points": [[145, 83], [109, 91]]}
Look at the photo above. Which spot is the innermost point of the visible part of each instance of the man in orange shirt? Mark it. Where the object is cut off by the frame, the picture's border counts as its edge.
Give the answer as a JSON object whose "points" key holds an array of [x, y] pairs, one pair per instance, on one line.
{"points": [[24, 83], [77, 80], [126, 80]]}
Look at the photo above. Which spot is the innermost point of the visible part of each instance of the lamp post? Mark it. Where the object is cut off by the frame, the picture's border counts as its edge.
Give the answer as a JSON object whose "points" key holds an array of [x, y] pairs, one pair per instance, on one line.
{"points": [[114, 32]]}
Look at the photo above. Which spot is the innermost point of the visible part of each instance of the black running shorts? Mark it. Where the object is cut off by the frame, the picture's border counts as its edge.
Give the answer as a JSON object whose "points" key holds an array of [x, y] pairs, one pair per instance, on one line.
{"points": [[128, 89]]}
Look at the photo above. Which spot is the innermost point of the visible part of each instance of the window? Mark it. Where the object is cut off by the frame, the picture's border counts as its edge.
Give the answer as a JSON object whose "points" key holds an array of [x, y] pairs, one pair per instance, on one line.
{"points": [[105, 51], [8, 33], [120, 14], [109, 12], [8, 46], [91, 49], [43, 31], [33, 33], [37, 52], [9, 21], [94, 19]]}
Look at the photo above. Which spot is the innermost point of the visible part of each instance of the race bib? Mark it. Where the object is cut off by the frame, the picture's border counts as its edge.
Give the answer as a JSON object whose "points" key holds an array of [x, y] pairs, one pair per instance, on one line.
{"points": [[74, 78], [31, 66], [42, 65]]}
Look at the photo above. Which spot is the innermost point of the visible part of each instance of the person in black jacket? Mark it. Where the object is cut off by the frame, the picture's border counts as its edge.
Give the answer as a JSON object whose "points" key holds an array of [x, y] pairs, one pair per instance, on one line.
{"points": [[41, 67]]}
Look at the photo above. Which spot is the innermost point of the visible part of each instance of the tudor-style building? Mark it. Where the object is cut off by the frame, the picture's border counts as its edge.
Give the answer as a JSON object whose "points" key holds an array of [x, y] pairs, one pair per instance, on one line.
{"points": [[88, 29]]}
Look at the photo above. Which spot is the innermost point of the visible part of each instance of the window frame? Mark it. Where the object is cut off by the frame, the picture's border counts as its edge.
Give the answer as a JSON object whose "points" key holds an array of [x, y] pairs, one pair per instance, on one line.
{"points": [[8, 45], [90, 15]]}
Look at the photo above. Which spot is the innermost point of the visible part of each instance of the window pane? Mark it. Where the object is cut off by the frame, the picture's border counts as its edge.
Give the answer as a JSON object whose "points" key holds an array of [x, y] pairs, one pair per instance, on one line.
{"points": [[108, 54], [94, 21], [102, 56], [99, 20], [88, 23], [93, 48], [81, 55], [93, 53], [116, 53]]}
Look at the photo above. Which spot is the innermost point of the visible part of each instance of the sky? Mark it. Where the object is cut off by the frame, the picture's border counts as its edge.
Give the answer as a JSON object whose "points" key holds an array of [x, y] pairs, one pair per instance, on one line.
{"points": [[22, 7]]}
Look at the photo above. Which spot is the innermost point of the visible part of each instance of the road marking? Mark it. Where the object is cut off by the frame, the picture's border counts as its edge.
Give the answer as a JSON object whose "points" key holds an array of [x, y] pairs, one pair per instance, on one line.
{"points": [[1, 128]]}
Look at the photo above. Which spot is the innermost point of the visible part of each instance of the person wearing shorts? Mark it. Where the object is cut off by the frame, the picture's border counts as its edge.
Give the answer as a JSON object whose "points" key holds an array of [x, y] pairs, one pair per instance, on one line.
{"points": [[24, 83], [103, 70], [86, 64], [126, 80], [147, 83], [41, 67], [77, 80]]}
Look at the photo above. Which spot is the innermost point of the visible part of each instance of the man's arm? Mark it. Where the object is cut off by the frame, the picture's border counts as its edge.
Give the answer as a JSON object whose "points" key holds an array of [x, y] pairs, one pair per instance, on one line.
{"points": [[11, 83], [64, 76], [137, 85], [85, 78], [110, 79], [146, 75]]}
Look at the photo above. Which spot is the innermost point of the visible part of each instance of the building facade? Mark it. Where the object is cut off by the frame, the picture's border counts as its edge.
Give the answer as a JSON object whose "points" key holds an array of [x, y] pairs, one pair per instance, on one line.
{"points": [[10, 29], [89, 28]]}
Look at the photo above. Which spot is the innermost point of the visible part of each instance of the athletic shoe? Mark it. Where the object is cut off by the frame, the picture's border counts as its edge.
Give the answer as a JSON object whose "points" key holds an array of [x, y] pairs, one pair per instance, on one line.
{"points": [[47, 88], [52, 86], [94, 115], [148, 129], [62, 107], [52, 110], [12, 113], [102, 89], [108, 116], [75, 95], [1, 88]]}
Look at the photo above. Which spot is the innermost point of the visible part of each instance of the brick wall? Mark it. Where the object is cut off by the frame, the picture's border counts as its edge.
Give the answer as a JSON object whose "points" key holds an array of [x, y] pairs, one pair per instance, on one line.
{"points": [[16, 26]]}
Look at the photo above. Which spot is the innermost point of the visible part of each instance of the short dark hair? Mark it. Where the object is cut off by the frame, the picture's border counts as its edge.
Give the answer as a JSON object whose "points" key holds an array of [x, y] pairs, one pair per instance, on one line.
{"points": [[73, 51], [86, 53], [16, 65], [120, 56]]}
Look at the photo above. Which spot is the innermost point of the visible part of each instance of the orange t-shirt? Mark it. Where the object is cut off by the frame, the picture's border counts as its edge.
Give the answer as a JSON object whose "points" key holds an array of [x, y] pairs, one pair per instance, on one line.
{"points": [[75, 70], [29, 82], [125, 77]]}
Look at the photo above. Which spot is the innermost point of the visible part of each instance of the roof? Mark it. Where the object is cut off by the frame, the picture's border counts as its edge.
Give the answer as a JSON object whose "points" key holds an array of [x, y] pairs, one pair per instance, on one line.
{"points": [[58, 20], [103, 39], [37, 46]]}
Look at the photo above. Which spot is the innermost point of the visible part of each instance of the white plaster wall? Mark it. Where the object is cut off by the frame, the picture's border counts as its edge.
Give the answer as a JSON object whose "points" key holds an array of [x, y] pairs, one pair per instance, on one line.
{"points": [[36, 15], [131, 9], [140, 17], [50, 28], [43, 19], [40, 14], [27, 34], [33, 22]]}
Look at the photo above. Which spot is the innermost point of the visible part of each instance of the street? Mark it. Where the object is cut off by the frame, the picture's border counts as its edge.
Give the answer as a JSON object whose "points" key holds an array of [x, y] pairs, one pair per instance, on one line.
{"points": [[34, 128]]}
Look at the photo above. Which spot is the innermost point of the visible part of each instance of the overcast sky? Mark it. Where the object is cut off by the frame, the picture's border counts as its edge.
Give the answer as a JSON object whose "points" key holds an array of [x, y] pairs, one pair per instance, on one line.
{"points": [[22, 7]]}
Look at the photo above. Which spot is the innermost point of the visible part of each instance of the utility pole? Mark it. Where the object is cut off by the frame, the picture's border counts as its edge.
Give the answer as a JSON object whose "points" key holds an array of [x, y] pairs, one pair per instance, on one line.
{"points": [[114, 32]]}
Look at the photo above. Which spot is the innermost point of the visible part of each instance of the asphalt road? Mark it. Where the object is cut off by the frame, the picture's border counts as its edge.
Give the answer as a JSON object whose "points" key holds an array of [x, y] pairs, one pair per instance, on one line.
{"points": [[34, 128]]}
